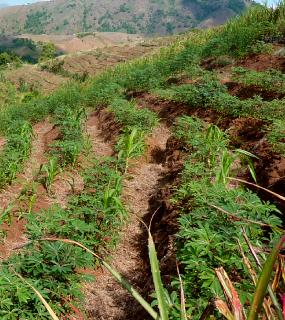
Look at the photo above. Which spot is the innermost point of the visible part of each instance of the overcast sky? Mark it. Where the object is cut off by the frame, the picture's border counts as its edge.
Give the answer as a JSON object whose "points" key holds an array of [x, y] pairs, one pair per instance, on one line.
{"points": [[15, 2]]}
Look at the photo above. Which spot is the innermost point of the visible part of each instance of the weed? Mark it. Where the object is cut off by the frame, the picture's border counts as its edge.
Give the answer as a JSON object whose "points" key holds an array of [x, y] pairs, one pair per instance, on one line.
{"points": [[128, 114]]}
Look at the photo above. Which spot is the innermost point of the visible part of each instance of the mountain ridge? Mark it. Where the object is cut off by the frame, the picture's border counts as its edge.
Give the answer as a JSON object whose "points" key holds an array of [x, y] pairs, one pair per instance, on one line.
{"points": [[151, 17]]}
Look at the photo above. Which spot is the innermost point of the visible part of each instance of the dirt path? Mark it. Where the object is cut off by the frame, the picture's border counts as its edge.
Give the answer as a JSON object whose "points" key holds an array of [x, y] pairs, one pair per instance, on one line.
{"points": [[105, 298], [44, 134], [70, 181], [2, 143], [100, 147]]}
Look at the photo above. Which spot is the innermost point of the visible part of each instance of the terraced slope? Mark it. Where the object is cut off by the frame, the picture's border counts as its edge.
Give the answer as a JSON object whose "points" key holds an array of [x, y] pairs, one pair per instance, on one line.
{"points": [[47, 76], [169, 141]]}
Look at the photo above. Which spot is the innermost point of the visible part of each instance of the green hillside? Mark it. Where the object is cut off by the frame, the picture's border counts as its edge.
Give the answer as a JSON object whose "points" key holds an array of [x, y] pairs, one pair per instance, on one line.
{"points": [[144, 17], [181, 150]]}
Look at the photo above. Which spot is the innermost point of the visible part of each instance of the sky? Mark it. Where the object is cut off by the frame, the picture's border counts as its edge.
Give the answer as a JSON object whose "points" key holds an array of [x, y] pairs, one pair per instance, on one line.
{"points": [[15, 2]]}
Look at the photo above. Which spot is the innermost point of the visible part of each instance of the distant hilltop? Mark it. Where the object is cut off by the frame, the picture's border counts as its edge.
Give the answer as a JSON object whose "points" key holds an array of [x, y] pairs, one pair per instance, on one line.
{"points": [[150, 17]]}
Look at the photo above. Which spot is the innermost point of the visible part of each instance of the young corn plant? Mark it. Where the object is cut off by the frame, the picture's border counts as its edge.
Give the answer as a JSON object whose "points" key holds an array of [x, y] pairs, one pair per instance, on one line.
{"points": [[228, 161], [51, 171], [130, 145]]}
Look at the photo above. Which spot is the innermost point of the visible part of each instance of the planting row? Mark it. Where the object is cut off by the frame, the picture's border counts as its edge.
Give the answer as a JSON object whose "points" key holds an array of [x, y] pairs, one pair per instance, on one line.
{"points": [[93, 217], [155, 71], [217, 217], [210, 94]]}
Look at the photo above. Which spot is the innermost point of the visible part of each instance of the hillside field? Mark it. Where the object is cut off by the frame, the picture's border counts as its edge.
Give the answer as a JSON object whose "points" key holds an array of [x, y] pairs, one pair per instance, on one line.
{"points": [[148, 181]]}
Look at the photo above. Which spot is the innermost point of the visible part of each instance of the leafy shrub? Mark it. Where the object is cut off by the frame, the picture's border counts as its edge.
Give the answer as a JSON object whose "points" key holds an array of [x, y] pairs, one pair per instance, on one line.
{"points": [[128, 114]]}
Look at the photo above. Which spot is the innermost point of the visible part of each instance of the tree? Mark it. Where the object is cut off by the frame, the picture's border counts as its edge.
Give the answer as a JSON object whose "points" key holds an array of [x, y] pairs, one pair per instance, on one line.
{"points": [[48, 51]]}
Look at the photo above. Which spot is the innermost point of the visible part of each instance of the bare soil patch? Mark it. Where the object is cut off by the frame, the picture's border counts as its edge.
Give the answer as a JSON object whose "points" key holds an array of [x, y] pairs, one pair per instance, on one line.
{"points": [[246, 92], [257, 62], [110, 129], [14, 236], [94, 61], [97, 137], [261, 62], [72, 43], [168, 111], [2, 143], [35, 78]]}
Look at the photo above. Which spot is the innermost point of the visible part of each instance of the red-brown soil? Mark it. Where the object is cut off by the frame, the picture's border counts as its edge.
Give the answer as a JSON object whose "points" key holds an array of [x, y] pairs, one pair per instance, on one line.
{"points": [[257, 62], [2, 143], [14, 236], [108, 126], [168, 111], [262, 62], [96, 136], [246, 92], [12, 194]]}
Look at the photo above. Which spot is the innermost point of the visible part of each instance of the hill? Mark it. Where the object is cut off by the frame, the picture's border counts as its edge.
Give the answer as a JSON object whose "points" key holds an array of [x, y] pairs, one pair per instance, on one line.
{"points": [[174, 160], [131, 16]]}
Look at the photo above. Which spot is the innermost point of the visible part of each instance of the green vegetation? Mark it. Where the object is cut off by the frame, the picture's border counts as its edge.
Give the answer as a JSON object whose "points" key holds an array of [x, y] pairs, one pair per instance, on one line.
{"points": [[7, 59], [271, 79], [19, 49], [16, 151], [208, 235], [36, 21], [159, 17], [48, 51], [219, 221]]}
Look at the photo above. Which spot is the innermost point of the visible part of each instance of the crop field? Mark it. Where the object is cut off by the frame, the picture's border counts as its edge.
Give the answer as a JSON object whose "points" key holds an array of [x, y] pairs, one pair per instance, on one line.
{"points": [[49, 75], [149, 189]]}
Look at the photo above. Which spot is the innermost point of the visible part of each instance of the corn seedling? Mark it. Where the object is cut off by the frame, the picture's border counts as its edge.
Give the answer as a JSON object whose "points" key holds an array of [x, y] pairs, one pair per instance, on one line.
{"points": [[130, 145], [227, 161], [51, 170]]}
